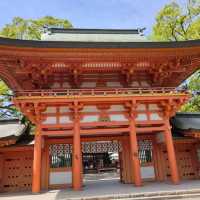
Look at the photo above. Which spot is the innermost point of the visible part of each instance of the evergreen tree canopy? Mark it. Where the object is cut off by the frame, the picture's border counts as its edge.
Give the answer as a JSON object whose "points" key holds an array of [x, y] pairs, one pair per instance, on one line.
{"points": [[176, 23], [31, 29]]}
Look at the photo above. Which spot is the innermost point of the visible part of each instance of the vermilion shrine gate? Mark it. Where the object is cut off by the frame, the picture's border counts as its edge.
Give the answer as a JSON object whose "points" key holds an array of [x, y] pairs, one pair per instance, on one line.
{"points": [[85, 91]]}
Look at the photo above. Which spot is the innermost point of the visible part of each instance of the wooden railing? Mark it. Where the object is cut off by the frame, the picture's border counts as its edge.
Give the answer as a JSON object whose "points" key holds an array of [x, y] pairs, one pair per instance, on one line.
{"points": [[100, 92]]}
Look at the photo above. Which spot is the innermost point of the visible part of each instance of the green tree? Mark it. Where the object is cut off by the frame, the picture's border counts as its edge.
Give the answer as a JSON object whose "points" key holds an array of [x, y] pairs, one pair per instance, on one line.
{"points": [[31, 29], [28, 29], [175, 23], [6, 107], [194, 86]]}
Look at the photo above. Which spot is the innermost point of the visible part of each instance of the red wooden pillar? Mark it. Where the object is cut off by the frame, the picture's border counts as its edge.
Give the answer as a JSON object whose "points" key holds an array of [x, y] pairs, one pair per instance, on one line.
{"points": [[77, 160], [127, 175], [157, 160], [134, 152], [36, 182], [171, 153]]}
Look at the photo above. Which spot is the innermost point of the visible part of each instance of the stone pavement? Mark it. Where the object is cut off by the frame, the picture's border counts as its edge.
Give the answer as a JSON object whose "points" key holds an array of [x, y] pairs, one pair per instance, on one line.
{"points": [[104, 187]]}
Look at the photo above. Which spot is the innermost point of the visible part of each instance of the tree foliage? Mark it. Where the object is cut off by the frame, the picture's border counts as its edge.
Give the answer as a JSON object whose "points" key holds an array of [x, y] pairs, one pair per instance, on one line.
{"points": [[194, 86], [176, 23], [31, 29], [7, 109]]}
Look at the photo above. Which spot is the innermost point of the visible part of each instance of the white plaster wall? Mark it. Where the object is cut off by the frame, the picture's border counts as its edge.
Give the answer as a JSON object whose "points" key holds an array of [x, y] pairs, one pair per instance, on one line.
{"points": [[90, 118], [147, 172], [90, 109], [50, 110], [135, 84], [88, 85], [144, 84], [64, 109], [66, 85], [65, 119], [141, 117], [155, 116], [114, 84], [160, 138], [50, 120], [116, 108], [55, 85], [119, 117], [153, 107], [141, 107], [60, 178]]}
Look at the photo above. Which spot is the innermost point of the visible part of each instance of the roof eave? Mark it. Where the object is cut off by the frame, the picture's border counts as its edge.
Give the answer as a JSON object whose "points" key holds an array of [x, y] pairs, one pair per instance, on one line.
{"points": [[64, 44]]}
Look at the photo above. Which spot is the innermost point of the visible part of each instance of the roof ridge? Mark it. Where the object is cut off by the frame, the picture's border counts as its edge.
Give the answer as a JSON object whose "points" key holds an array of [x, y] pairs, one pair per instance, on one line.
{"points": [[94, 30]]}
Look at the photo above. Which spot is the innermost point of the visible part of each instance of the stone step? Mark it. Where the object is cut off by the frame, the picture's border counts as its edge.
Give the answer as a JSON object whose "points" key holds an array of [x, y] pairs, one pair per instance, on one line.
{"points": [[184, 194], [164, 197]]}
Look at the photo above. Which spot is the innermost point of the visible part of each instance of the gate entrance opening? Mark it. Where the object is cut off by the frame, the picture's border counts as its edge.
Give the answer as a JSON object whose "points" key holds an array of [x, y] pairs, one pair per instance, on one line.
{"points": [[98, 157], [101, 160]]}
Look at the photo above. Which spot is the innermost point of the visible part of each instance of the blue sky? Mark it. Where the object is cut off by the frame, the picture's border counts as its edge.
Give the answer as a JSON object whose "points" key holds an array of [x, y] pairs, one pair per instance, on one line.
{"points": [[87, 13]]}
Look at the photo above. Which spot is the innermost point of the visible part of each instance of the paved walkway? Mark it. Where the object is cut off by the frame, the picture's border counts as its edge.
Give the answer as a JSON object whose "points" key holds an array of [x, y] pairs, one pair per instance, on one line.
{"points": [[103, 187]]}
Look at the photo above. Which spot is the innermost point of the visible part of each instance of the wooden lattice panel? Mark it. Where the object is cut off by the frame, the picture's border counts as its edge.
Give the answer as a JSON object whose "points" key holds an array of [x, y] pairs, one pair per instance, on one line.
{"points": [[17, 172], [145, 148], [100, 147], [60, 155], [60, 149], [186, 161], [87, 147]]}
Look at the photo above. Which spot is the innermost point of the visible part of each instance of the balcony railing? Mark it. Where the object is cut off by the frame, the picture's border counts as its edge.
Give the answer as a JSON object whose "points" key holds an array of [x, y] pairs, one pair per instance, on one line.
{"points": [[101, 92]]}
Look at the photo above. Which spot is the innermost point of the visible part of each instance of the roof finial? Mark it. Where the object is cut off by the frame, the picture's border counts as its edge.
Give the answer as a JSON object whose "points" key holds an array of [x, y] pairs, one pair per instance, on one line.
{"points": [[140, 31]]}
